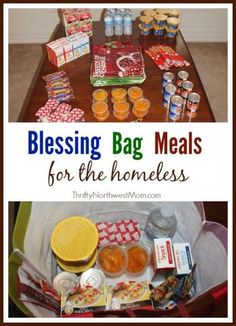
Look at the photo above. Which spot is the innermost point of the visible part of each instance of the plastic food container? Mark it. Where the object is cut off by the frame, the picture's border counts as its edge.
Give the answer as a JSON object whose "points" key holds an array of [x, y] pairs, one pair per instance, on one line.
{"points": [[112, 260], [121, 110], [138, 259], [102, 117], [115, 100], [118, 94], [135, 93], [100, 95], [139, 114], [100, 110], [142, 104]]}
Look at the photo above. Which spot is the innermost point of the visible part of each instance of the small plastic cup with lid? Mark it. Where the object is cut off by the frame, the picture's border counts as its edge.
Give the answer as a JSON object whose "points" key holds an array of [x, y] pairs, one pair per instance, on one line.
{"points": [[118, 94], [141, 107], [135, 93], [112, 260], [138, 259], [121, 110], [100, 110], [100, 95]]}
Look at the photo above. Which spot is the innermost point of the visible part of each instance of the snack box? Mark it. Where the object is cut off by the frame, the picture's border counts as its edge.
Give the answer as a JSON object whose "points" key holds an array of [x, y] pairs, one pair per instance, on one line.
{"points": [[68, 48], [77, 20], [183, 258], [163, 258]]}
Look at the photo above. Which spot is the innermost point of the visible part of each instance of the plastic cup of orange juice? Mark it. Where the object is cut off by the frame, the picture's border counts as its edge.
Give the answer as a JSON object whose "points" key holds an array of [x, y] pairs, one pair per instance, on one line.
{"points": [[135, 93], [100, 95]]}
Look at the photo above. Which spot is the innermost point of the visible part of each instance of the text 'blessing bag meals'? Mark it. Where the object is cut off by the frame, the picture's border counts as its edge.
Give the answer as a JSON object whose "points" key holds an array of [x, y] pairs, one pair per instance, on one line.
{"points": [[33, 255]]}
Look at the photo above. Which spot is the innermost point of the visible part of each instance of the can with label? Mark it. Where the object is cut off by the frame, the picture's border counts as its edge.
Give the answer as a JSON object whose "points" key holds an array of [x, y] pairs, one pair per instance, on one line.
{"points": [[167, 77], [176, 106], [169, 90], [186, 88], [193, 102], [92, 277], [181, 77]]}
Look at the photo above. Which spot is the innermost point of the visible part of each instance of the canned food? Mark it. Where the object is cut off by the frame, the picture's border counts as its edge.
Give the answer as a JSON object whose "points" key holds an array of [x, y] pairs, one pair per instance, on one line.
{"points": [[186, 88], [173, 116], [66, 281], [169, 90], [193, 102], [176, 105], [181, 77], [167, 78], [92, 277]]}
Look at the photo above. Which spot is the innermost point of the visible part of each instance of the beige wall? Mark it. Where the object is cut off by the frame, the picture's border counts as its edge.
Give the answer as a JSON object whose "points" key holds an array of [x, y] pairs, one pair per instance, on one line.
{"points": [[36, 25]]}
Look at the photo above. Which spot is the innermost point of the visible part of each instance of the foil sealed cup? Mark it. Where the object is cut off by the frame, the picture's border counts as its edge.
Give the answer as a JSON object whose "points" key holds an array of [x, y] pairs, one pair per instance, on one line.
{"points": [[172, 27]]}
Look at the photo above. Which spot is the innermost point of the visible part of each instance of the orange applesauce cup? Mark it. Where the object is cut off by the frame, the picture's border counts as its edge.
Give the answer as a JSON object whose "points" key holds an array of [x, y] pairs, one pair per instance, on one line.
{"points": [[142, 105], [121, 110], [135, 93], [118, 94], [100, 95]]}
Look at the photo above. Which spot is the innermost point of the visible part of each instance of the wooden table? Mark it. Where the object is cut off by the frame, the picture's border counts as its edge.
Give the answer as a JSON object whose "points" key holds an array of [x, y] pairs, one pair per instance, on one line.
{"points": [[78, 71]]}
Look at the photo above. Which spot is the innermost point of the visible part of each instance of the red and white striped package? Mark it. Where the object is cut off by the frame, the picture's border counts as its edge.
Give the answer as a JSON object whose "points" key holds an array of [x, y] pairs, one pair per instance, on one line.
{"points": [[75, 115], [51, 103], [121, 232], [43, 111], [63, 108]]}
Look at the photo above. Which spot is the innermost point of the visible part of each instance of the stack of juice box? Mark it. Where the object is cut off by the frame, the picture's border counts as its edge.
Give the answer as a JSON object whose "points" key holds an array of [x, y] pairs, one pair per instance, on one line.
{"points": [[68, 48], [77, 20]]}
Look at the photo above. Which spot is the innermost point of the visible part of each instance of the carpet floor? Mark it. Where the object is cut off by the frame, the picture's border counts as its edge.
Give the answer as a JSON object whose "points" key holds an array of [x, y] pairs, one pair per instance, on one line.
{"points": [[210, 60]]}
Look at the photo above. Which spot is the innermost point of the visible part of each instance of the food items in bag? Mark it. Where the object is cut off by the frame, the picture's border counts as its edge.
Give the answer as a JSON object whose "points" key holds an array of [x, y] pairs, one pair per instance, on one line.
{"points": [[138, 259], [117, 63], [112, 259], [183, 258], [69, 242]]}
